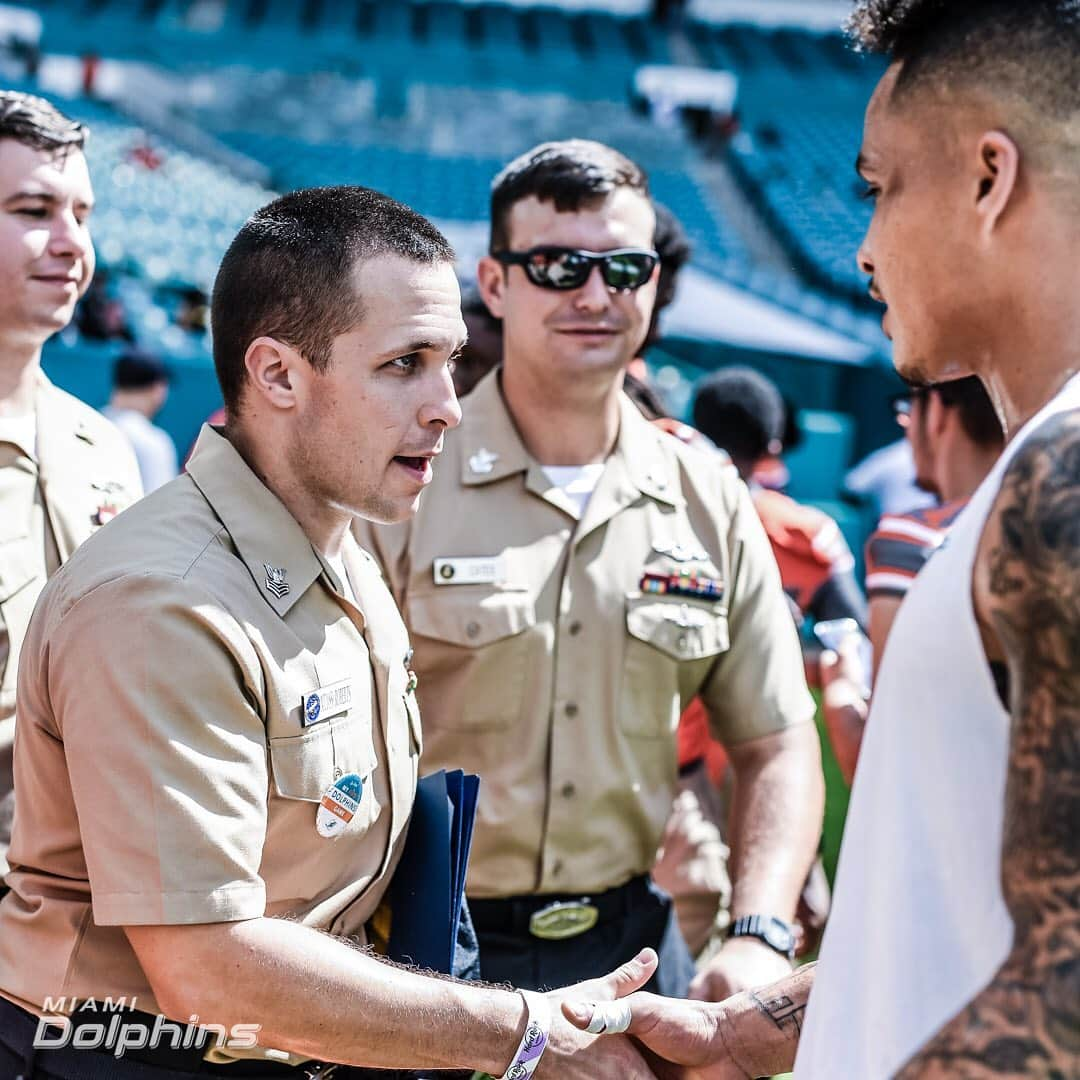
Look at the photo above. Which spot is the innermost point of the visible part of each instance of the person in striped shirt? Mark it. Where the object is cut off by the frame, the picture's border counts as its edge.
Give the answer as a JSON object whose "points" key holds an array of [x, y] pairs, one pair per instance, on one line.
{"points": [[955, 437]]}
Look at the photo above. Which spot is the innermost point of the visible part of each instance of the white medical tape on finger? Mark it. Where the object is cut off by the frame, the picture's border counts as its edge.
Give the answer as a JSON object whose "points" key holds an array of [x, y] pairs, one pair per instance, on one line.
{"points": [[609, 1018]]}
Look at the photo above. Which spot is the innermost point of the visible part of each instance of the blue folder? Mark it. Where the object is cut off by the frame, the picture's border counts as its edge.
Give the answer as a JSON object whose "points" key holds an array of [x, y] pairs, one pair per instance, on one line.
{"points": [[429, 884]]}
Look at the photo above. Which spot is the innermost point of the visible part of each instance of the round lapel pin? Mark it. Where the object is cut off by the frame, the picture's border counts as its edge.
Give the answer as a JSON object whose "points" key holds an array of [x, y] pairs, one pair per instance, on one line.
{"points": [[339, 804]]}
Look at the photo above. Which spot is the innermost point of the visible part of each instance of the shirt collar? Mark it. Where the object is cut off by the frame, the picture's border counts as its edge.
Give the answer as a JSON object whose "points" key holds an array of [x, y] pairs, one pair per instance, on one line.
{"points": [[276, 551], [492, 447]]}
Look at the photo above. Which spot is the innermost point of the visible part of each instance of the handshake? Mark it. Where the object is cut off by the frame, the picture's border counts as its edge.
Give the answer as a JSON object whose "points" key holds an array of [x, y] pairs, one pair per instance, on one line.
{"points": [[606, 1028]]}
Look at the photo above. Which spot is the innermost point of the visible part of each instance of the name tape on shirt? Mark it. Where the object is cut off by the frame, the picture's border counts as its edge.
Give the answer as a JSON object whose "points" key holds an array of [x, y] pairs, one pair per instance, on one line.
{"points": [[325, 702], [470, 570]]}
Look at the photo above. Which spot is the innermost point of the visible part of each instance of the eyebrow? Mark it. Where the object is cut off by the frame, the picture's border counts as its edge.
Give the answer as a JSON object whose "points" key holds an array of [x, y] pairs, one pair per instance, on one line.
{"points": [[44, 196], [426, 345]]}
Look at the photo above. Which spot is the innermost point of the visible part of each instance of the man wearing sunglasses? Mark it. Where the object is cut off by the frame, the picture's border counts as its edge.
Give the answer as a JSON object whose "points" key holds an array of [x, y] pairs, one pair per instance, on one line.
{"points": [[573, 579]]}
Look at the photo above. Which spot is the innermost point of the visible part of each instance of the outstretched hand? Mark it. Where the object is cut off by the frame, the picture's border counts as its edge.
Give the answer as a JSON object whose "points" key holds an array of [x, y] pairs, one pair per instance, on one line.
{"points": [[682, 1038]]}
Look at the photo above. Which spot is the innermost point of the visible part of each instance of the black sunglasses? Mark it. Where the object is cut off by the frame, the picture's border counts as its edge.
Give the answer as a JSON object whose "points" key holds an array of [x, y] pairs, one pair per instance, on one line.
{"points": [[569, 268]]}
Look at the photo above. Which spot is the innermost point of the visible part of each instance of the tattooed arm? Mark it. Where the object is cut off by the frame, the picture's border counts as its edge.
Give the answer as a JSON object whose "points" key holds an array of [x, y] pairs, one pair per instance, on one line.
{"points": [[1026, 1022]]}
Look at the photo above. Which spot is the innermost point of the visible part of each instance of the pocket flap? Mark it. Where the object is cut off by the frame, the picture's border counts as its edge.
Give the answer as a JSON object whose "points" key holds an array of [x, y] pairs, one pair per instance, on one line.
{"points": [[683, 630], [304, 765], [466, 619]]}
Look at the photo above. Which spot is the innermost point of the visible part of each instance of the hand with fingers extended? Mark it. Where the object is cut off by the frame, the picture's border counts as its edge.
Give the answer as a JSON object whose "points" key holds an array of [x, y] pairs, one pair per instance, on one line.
{"points": [[754, 1033], [573, 1054]]}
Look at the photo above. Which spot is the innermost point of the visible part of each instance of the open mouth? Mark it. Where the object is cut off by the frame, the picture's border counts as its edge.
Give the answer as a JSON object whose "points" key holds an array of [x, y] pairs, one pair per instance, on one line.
{"points": [[418, 467]]}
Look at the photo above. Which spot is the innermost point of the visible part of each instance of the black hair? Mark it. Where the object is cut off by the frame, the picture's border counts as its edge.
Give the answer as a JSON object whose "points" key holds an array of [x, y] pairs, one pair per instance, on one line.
{"points": [[673, 246], [972, 403], [137, 370], [741, 411], [38, 123], [572, 174], [1026, 51], [289, 273]]}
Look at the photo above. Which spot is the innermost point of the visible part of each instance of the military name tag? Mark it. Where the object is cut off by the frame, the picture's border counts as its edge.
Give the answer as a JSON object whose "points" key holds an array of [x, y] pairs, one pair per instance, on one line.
{"points": [[325, 702], [470, 570]]}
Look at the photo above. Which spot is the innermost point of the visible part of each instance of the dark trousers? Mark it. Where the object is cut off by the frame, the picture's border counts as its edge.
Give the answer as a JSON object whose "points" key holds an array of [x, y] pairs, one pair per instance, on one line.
{"points": [[632, 916]]}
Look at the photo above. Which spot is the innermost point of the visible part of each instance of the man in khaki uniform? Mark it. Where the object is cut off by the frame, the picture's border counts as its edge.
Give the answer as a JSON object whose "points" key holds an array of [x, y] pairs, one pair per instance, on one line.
{"points": [[64, 469], [218, 737], [573, 579]]}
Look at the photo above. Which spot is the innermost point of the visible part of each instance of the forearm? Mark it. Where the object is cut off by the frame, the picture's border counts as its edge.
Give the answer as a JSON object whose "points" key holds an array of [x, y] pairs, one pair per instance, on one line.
{"points": [[318, 997], [759, 1029], [776, 820]]}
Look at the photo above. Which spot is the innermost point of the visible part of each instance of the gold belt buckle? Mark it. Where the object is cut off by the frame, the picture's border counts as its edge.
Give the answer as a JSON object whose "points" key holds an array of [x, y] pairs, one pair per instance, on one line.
{"points": [[563, 919]]}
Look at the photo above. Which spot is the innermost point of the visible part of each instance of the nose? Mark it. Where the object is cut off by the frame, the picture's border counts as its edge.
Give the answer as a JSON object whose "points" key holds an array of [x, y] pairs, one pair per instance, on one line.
{"points": [[862, 256], [67, 236], [594, 295], [443, 408]]}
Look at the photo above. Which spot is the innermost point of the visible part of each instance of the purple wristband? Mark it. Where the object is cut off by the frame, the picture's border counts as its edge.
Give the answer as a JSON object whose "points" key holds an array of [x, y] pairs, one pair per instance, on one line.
{"points": [[535, 1040]]}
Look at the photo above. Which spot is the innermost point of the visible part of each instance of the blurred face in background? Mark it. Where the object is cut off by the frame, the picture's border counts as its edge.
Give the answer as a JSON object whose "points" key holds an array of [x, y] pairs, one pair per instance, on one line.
{"points": [[46, 257], [918, 419], [593, 328]]}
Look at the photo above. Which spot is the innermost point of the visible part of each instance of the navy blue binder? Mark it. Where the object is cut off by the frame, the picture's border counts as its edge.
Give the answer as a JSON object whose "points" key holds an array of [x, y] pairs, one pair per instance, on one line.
{"points": [[429, 883]]}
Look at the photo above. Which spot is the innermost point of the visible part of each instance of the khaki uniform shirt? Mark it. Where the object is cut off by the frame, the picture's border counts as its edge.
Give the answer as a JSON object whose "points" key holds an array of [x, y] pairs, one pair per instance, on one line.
{"points": [[167, 770], [547, 669], [53, 495]]}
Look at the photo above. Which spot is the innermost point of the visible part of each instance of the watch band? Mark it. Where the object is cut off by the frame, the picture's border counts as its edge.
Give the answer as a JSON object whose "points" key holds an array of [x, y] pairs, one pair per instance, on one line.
{"points": [[765, 928]]}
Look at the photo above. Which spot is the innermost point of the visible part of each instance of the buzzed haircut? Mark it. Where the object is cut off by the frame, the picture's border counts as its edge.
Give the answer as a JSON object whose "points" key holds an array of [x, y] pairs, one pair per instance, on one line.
{"points": [[1024, 53], [38, 123], [289, 273], [972, 403], [573, 174]]}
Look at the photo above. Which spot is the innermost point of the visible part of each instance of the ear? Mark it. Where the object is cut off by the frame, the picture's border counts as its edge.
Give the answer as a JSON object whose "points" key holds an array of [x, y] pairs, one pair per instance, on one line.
{"points": [[491, 280], [998, 171], [936, 415], [274, 370]]}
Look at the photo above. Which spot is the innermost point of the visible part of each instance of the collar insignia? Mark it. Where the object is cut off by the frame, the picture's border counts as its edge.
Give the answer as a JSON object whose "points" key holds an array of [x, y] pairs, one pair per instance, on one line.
{"points": [[483, 461], [275, 581]]}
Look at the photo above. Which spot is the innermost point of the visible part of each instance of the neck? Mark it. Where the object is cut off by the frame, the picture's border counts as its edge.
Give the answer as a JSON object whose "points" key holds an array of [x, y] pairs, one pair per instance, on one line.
{"points": [[960, 473], [575, 422], [324, 525], [19, 366]]}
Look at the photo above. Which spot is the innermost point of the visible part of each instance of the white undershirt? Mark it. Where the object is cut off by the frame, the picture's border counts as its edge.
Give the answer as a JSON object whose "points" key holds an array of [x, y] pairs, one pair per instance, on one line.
{"points": [[577, 482], [22, 431]]}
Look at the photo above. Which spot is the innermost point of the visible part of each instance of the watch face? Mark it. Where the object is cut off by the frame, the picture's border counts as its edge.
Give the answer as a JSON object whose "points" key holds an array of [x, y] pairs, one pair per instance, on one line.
{"points": [[778, 935]]}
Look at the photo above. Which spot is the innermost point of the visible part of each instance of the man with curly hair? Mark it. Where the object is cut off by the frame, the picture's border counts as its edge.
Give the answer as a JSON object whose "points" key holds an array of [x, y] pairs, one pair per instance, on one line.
{"points": [[954, 944]]}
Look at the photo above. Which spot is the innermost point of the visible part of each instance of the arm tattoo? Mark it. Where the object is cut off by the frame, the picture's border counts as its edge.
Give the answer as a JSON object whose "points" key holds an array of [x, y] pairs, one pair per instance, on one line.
{"points": [[1026, 1022], [781, 1010]]}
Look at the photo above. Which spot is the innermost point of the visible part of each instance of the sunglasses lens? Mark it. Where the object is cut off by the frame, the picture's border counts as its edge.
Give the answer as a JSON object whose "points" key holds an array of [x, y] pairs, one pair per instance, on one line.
{"points": [[557, 269], [629, 270]]}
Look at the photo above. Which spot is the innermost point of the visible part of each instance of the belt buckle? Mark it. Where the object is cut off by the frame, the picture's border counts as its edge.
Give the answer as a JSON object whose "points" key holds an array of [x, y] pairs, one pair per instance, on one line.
{"points": [[563, 919]]}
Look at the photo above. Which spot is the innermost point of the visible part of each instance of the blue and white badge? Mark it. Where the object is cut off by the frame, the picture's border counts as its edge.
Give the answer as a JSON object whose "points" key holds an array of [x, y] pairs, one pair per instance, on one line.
{"points": [[339, 804], [325, 702]]}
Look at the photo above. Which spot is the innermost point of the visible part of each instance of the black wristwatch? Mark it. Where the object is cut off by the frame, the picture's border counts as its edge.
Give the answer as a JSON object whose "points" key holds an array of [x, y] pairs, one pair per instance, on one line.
{"points": [[776, 933]]}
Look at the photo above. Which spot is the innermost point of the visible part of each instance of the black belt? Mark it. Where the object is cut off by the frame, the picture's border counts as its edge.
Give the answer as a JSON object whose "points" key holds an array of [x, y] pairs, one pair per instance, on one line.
{"points": [[554, 917]]}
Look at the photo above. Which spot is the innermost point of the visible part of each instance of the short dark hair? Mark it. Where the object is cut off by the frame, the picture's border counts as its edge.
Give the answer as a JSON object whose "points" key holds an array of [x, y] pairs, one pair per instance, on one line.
{"points": [[741, 411], [137, 369], [1026, 52], [38, 123], [288, 274], [673, 246], [975, 409], [572, 174]]}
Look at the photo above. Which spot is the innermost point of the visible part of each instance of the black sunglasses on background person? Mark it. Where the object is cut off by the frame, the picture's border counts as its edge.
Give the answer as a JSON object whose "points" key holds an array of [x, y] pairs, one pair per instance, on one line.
{"points": [[553, 267]]}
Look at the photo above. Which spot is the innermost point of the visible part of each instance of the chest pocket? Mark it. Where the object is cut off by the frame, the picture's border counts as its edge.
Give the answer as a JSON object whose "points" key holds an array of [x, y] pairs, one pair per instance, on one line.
{"points": [[671, 644], [304, 765], [473, 644], [20, 586]]}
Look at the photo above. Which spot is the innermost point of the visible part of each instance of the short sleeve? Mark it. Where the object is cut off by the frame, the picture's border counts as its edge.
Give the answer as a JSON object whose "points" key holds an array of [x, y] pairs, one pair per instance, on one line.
{"points": [[152, 686], [894, 557], [758, 686]]}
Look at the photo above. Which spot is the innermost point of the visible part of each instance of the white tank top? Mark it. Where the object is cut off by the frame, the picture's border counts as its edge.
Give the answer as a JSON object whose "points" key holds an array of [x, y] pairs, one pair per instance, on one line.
{"points": [[918, 925]]}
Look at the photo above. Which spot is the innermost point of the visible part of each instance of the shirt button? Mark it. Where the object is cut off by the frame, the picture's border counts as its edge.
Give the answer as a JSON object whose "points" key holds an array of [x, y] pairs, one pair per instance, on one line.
{"points": [[575, 628], [571, 709], [569, 791], [472, 630]]}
